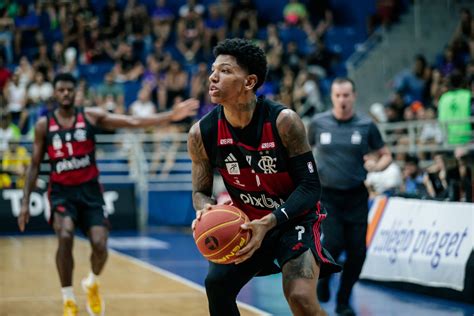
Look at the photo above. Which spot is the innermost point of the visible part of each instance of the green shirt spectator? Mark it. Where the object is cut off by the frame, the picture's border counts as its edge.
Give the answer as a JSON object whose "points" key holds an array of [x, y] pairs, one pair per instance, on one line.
{"points": [[456, 105], [295, 12]]}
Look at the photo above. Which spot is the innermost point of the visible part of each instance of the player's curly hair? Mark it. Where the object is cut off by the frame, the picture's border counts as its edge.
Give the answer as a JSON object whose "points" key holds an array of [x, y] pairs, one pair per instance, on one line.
{"points": [[64, 77], [248, 56]]}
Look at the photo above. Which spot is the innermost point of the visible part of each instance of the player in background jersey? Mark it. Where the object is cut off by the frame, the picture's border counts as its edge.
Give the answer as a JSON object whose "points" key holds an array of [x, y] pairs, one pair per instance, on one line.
{"points": [[261, 150], [76, 199]]}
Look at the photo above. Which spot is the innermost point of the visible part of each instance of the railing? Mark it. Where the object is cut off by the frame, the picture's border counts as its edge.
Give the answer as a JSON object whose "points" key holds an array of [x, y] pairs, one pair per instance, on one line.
{"points": [[405, 137], [155, 161]]}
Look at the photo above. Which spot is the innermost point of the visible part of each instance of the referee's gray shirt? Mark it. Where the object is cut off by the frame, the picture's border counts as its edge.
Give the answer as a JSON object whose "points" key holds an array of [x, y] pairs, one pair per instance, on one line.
{"points": [[340, 146]]}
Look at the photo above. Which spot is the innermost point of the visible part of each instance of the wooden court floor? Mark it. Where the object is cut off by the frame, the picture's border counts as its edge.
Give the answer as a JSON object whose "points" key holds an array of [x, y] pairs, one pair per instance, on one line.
{"points": [[29, 284]]}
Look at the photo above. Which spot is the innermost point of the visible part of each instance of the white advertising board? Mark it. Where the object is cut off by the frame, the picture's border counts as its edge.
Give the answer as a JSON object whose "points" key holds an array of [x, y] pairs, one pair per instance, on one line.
{"points": [[422, 242]]}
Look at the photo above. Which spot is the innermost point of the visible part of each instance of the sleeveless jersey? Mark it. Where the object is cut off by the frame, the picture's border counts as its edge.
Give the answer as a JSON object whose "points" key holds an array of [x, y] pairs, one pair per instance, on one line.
{"points": [[71, 151], [256, 178]]}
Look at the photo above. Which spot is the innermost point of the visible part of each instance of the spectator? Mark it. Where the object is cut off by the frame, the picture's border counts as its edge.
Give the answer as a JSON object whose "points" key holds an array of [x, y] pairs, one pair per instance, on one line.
{"points": [[70, 62], [215, 28], [39, 90], [152, 72], [412, 183], [191, 6], [431, 133], [15, 94], [8, 131], [7, 29], [110, 95], [447, 63], [306, 95], [71, 27], [25, 71], [459, 177], [16, 160], [455, 104], [384, 182], [113, 23], [377, 113], [138, 30], [295, 13], [26, 25], [5, 73], [411, 83], [162, 56], [143, 107], [175, 84], [84, 95], [190, 29], [162, 21], [42, 62], [243, 18], [128, 66], [200, 84], [435, 178], [321, 16], [292, 57], [94, 41]]}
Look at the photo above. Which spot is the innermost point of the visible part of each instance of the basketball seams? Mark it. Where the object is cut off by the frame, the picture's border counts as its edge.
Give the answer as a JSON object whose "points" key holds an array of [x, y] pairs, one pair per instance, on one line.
{"points": [[220, 225]]}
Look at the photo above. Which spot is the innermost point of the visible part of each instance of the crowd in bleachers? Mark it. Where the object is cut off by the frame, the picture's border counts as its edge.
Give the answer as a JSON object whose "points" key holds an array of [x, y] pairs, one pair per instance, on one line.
{"points": [[142, 56], [441, 90], [152, 52]]}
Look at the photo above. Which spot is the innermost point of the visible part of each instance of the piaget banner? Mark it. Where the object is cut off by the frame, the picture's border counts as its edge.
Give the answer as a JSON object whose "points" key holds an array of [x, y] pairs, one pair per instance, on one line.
{"points": [[422, 242]]}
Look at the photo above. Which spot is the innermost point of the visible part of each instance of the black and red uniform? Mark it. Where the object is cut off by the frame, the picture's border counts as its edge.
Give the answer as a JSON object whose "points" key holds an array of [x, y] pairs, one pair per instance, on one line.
{"points": [[74, 189], [256, 175]]}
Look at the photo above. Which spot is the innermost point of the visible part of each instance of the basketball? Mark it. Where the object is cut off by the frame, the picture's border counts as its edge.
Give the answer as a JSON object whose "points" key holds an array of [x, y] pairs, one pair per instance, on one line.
{"points": [[218, 234]]}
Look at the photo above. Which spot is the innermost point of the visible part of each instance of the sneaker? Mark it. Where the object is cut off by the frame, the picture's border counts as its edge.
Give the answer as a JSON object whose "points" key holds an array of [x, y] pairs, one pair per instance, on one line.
{"points": [[345, 310], [323, 291], [70, 308], [95, 305]]}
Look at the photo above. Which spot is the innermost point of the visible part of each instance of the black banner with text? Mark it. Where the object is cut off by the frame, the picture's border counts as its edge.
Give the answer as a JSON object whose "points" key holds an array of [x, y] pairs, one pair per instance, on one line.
{"points": [[119, 204]]}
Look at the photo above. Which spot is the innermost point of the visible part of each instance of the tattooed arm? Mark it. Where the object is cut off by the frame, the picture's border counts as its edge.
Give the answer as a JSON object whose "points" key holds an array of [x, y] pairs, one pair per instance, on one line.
{"points": [[301, 165], [202, 175]]}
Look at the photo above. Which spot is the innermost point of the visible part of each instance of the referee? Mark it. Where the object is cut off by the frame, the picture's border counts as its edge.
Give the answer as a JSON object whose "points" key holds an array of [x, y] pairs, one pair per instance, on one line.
{"points": [[342, 139]]}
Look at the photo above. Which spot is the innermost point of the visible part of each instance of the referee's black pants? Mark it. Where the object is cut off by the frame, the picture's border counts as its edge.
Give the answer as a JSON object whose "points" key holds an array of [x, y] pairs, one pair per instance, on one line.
{"points": [[345, 229]]}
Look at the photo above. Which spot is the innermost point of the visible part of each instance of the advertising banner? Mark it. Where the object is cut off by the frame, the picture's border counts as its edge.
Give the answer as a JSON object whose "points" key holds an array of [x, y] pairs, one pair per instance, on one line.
{"points": [[421, 242], [119, 204]]}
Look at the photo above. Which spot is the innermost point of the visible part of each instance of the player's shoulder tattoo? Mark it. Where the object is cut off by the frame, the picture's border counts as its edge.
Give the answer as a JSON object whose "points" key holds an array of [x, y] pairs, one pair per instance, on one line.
{"points": [[292, 133]]}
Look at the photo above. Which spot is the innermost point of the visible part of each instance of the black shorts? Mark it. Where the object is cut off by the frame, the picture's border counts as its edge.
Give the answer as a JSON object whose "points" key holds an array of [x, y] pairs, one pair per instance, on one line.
{"points": [[289, 241], [84, 203]]}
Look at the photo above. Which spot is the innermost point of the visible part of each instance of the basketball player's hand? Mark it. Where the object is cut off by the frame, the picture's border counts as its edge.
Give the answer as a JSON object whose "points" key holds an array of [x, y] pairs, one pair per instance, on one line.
{"points": [[259, 228], [199, 213], [23, 217], [184, 109]]}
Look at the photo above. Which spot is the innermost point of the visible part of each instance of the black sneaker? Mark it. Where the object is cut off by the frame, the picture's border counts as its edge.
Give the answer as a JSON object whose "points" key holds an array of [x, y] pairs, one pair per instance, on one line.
{"points": [[323, 291], [345, 310]]}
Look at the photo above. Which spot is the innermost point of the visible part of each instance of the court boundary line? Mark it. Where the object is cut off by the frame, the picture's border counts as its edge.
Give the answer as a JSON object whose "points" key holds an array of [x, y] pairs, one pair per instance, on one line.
{"points": [[179, 279], [142, 264]]}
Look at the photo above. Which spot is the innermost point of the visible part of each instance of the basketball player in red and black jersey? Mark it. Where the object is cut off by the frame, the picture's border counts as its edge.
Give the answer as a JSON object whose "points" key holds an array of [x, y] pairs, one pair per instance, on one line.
{"points": [[261, 150], [67, 135]]}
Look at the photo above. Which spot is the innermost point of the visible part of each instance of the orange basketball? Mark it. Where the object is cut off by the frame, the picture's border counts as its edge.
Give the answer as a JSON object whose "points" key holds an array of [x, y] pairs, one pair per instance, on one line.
{"points": [[218, 234]]}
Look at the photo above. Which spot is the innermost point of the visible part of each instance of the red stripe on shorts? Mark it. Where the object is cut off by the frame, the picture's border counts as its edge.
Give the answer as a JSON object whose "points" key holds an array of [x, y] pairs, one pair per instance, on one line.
{"points": [[317, 237]]}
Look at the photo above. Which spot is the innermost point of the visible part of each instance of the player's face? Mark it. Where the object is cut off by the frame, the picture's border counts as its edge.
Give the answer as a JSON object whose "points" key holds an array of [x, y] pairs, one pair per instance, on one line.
{"points": [[65, 92], [343, 99], [227, 80]]}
